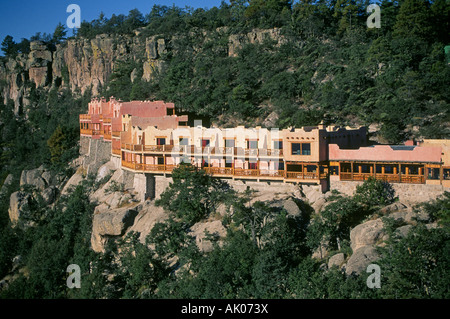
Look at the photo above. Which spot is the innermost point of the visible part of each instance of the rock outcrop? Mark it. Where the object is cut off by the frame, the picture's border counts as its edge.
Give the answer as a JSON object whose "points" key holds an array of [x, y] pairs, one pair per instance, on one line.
{"points": [[44, 185], [81, 64], [360, 259], [18, 203], [201, 229], [110, 223], [367, 234], [236, 41]]}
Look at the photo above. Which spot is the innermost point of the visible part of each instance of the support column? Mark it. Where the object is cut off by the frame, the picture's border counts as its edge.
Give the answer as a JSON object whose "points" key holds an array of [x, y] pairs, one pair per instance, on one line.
{"points": [[351, 169], [150, 186]]}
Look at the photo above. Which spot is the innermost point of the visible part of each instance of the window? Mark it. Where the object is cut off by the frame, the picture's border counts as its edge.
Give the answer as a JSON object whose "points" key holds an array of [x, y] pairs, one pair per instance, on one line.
{"points": [[160, 160], [160, 141], [306, 149], [252, 144], [433, 173], [205, 142], [184, 141], [412, 170], [301, 148], [447, 173], [279, 166], [277, 145], [296, 148], [334, 170], [229, 143], [253, 165]]}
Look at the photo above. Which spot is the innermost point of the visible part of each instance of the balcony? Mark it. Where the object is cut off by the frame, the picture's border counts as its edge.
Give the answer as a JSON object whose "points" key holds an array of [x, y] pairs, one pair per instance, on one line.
{"points": [[246, 172], [219, 170], [205, 151], [154, 168], [107, 120], [390, 178], [86, 132], [115, 134], [85, 117], [271, 173], [302, 175]]}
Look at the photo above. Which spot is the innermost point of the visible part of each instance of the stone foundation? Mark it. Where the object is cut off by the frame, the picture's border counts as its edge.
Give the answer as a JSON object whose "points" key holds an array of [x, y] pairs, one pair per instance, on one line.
{"points": [[407, 193], [96, 153]]}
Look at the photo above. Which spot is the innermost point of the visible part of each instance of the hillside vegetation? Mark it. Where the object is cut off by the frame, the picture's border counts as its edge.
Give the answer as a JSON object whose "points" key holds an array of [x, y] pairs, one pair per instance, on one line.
{"points": [[311, 61], [270, 63]]}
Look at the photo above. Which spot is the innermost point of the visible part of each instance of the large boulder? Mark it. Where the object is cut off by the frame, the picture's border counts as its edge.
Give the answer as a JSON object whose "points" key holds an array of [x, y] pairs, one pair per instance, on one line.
{"points": [[8, 181], [336, 260], [360, 259], [110, 223], [394, 207], [147, 217], [49, 194], [105, 170], [292, 208], [73, 181], [40, 178], [18, 203], [199, 231], [368, 233], [33, 177]]}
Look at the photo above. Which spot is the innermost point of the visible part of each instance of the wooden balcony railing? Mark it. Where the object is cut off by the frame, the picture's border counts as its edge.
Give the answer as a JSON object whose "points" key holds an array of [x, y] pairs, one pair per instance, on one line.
{"points": [[223, 150], [219, 170], [390, 178], [191, 149], [413, 179], [116, 134], [116, 151], [107, 136], [270, 152], [107, 120], [302, 175], [85, 117], [272, 173], [128, 164], [246, 172], [148, 167], [85, 131], [227, 171]]}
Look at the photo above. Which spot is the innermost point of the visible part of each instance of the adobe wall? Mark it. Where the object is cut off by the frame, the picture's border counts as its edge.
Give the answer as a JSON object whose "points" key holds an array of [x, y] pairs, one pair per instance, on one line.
{"points": [[407, 193]]}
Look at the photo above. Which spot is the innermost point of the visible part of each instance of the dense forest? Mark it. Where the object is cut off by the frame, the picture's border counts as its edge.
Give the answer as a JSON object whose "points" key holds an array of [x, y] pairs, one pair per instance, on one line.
{"points": [[332, 68], [265, 254]]}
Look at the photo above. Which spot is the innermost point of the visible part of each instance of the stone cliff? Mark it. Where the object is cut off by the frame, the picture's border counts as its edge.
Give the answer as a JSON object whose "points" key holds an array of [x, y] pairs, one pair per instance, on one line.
{"points": [[81, 64]]}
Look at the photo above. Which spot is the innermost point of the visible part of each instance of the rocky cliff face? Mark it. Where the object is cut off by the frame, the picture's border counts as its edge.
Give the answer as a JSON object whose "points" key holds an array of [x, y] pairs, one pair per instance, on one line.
{"points": [[83, 64]]}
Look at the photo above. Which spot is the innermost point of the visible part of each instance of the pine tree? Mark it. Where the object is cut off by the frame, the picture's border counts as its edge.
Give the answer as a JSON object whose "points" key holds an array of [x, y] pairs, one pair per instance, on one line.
{"points": [[413, 20]]}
